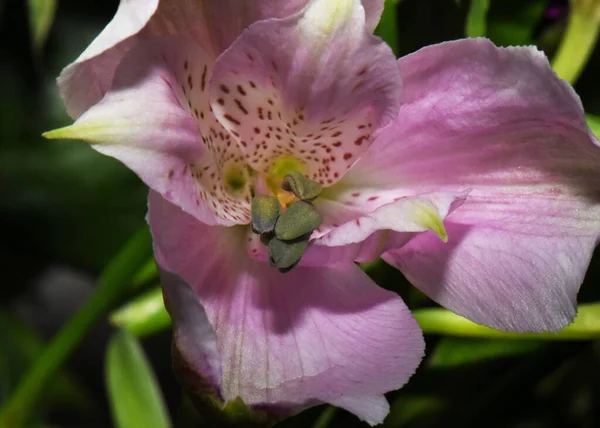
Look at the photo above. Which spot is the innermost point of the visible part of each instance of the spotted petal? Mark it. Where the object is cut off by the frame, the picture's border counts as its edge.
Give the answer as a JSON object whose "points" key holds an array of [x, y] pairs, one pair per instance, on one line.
{"points": [[499, 122], [287, 341], [213, 24], [156, 119], [314, 87]]}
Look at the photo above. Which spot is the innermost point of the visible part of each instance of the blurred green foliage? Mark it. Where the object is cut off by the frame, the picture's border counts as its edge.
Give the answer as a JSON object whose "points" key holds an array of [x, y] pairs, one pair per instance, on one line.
{"points": [[135, 397]]}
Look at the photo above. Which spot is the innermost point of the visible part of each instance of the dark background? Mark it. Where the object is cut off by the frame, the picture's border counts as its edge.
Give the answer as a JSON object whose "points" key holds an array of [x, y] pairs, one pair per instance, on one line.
{"points": [[65, 210]]}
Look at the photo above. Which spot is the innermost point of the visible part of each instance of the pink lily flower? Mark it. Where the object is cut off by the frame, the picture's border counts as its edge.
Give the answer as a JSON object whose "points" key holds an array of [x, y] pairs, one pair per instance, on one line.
{"points": [[467, 166]]}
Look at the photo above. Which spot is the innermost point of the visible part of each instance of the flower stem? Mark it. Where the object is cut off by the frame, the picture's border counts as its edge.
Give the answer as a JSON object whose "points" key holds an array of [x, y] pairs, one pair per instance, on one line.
{"points": [[577, 44], [586, 326], [115, 278]]}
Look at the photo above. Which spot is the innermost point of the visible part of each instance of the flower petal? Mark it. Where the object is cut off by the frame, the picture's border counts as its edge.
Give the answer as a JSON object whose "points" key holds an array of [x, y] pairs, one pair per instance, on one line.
{"points": [[194, 336], [497, 121], [510, 281], [411, 214], [152, 119], [373, 11], [292, 340], [214, 24], [314, 86]]}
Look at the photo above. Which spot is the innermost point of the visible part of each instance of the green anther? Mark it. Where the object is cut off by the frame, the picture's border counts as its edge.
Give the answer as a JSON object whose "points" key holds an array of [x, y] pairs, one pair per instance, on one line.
{"points": [[304, 188], [299, 219], [285, 255], [265, 212]]}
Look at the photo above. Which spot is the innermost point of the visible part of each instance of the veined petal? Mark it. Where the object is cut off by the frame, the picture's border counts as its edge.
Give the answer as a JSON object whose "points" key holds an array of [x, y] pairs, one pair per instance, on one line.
{"points": [[373, 11], [517, 281], [314, 87], [156, 119], [288, 341], [213, 24], [497, 121]]}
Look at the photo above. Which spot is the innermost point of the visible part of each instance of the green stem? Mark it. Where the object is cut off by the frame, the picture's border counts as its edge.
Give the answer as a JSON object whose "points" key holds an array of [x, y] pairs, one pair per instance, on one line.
{"points": [[114, 280], [586, 326], [325, 417], [577, 44]]}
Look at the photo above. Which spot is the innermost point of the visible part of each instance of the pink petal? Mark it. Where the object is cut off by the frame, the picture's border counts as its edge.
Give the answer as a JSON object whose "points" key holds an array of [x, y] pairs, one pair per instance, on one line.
{"points": [[214, 24], [314, 86], [497, 121], [509, 281], [366, 237], [193, 334], [292, 340], [411, 214], [373, 11], [156, 119]]}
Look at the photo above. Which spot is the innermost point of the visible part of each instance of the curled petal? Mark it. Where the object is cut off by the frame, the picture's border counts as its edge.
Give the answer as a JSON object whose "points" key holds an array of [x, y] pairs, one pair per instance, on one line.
{"points": [[373, 11], [314, 87], [499, 122], [151, 119], [288, 341], [411, 214], [213, 24]]}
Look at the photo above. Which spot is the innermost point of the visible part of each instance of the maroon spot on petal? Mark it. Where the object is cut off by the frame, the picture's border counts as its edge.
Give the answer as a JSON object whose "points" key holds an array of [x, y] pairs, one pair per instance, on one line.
{"points": [[347, 156], [373, 198], [224, 88], [240, 89], [355, 195], [251, 83], [241, 106], [203, 81], [360, 140], [337, 134], [257, 130], [221, 101], [337, 144], [231, 119]]}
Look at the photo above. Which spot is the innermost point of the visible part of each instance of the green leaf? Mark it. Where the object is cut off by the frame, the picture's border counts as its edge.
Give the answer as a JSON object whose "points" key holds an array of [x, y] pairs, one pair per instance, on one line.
{"points": [[451, 351], [411, 409], [586, 325], [19, 346], [594, 124], [134, 395], [476, 18], [578, 42], [325, 418], [388, 25], [513, 22], [148, 273], [144, 316], [41, 17], [116, 278]]}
